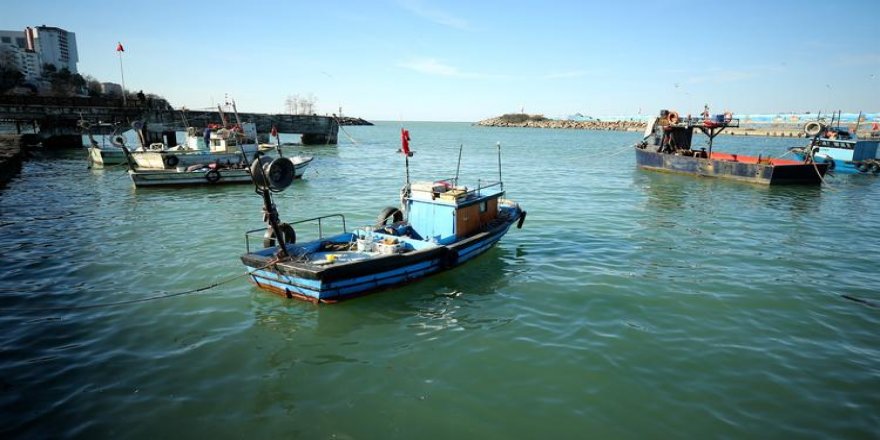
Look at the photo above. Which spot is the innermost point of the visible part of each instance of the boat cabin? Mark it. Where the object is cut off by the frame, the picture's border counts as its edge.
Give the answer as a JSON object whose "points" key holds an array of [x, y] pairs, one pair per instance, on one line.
{"points": [[443, 213], [222, 139], [848, 150], [670, 134]]}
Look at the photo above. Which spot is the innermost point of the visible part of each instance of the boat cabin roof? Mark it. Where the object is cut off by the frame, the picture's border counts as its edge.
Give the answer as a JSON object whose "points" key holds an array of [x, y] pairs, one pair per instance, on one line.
{"points": [[444, 193]]}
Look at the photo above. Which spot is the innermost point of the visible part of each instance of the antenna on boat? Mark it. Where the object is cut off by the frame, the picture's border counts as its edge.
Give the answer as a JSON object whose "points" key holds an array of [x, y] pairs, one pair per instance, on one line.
{"points": [[498, 145], [458, 167], [222, 116], [858, 122], [235, 112]]}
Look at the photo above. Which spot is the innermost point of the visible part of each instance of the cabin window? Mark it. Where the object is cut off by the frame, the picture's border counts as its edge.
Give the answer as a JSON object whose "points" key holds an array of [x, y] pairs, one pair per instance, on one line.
{"points": [[484, 206]]}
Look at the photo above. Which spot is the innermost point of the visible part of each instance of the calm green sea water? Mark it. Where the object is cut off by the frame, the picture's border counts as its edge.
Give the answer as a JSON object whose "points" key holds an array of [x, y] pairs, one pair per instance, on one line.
{"points": [[631, 305]]}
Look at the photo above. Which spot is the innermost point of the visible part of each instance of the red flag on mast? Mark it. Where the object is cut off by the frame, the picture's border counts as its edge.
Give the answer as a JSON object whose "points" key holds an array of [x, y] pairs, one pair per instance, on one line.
{"points": [[404, 142], [274, 132], [119, 47]]}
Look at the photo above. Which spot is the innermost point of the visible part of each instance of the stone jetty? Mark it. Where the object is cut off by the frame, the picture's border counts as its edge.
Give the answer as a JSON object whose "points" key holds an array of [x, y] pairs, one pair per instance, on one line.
{"points": [[538, 121], [532, 121]]}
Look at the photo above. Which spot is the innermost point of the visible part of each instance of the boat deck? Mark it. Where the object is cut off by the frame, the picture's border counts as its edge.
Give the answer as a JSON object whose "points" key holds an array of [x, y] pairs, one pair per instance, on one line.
{"points": [[753, 159]]}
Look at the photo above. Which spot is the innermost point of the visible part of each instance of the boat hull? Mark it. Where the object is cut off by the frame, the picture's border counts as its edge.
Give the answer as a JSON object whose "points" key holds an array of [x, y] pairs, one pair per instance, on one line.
{"points": [[146, 177], [188, 178], [168, 159], [344, 281], [106, 156], [733, 167], [840, 161]]}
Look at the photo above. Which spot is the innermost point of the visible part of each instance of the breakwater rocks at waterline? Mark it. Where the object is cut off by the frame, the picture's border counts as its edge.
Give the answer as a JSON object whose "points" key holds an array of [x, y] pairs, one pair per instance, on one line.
{"points": [[537, 121], [530, 121]]}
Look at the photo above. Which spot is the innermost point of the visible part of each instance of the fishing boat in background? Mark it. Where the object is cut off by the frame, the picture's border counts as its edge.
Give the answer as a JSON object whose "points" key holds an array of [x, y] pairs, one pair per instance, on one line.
{"points": [[667, 146], [227, 144], [109, 150], [839, 149], [214, 173], [439, 225]]}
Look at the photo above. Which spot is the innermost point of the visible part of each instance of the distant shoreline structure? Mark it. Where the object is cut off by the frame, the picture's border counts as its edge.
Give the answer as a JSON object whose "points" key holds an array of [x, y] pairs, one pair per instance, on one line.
{"points": [[782, 125]]}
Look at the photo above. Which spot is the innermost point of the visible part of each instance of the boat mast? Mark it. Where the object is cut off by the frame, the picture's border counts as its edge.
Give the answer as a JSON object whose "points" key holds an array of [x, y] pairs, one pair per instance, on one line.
{"points": [[498, 145], [458, 167]]}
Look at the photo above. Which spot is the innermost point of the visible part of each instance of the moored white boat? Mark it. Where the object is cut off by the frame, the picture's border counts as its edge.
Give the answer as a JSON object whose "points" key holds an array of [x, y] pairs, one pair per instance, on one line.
{"points": [[209, 174], [233, 145]]}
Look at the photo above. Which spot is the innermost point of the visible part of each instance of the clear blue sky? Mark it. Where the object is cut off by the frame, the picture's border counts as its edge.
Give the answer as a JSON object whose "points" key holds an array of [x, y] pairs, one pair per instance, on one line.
{"points": [[470, 60]]}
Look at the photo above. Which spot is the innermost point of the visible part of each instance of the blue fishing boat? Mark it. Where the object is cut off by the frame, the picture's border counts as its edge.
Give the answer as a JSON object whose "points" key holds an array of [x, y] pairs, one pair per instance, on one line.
{"points": [[439, 225], [666, 146], [836, 147]]}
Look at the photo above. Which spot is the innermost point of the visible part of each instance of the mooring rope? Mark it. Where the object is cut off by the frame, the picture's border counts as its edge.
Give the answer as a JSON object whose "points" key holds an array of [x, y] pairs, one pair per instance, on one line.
{"points": [[138, 300], [861, 301]]}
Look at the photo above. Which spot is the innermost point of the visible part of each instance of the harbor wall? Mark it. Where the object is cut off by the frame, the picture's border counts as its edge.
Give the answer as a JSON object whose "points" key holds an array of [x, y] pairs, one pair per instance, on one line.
{"points": [[11, 156]]}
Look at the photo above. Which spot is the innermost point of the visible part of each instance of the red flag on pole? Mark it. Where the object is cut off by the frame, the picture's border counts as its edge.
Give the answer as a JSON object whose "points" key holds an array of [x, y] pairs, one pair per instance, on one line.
{"points": [[404, 142], [119, 47], [274, 131]]}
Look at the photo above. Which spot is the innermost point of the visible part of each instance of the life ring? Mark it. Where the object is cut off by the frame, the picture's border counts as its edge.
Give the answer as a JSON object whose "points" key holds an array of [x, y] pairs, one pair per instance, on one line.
{"points": [[170, 161], [450, 258], [672, 117], [118, 140], [288, 235], [212, 176], [389, 212]]}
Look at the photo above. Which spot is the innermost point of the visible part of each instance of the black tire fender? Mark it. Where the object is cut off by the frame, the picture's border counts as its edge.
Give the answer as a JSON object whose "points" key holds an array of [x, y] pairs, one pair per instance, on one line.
{"points": [[450, 258], [831, 163], [212, 176], [389, 212], [171, 160], [288, 235]]}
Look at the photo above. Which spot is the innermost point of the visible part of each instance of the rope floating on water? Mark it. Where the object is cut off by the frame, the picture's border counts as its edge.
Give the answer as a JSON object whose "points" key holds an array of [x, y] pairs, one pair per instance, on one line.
{"points": [[861, 301], [133, 301]]}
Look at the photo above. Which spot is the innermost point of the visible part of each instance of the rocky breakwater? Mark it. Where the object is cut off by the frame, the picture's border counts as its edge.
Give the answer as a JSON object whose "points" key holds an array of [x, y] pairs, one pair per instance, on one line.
{"points": [[11, 155], [538, 121], [348, 120]]}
